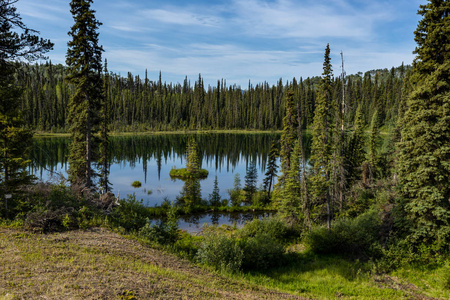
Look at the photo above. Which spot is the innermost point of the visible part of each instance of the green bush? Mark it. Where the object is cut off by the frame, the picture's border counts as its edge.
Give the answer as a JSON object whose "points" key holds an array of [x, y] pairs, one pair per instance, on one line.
{"points": [[163, 232], [351, 237], [274, 227], [221, 252], [262, 251], [130, 214]]}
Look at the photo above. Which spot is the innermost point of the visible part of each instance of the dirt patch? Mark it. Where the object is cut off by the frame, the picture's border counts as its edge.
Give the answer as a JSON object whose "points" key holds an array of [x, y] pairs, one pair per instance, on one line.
{"points": [[100, 264]]}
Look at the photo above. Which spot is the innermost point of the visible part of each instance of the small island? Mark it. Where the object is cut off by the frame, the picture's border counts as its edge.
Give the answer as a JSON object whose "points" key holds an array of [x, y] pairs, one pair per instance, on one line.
{"points": [[192, 170], [184, 173]]}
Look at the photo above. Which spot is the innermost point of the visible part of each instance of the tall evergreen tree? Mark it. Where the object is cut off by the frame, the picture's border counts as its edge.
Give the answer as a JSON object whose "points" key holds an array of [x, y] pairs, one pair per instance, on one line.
{"points": [[322, 140], [290, 205], [288, 137], [424, 159], [84, 61], [104, 135], [17, 41]]}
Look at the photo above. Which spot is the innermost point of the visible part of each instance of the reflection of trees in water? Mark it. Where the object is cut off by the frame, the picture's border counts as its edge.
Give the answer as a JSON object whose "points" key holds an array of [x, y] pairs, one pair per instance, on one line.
{"points": [[222, 149], [215, 219]]}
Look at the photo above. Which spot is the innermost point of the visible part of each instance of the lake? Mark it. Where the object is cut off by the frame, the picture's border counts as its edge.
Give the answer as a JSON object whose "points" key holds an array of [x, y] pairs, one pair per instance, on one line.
{"points": [[149, 159]]}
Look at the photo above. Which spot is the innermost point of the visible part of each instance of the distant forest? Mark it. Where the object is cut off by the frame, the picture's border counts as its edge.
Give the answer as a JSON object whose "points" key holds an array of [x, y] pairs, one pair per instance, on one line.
{"points": [[141, 104]]}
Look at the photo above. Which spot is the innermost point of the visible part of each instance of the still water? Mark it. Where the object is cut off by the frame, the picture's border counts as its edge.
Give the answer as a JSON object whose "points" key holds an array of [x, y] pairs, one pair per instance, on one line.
{"points": [[149, 159]]}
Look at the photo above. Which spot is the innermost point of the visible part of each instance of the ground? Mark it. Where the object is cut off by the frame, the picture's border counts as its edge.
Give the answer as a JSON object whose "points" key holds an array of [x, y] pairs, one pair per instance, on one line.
{"points": [[100, 264]]}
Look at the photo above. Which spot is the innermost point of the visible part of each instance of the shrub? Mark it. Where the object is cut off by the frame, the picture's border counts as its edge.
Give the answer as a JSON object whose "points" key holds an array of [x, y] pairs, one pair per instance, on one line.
{"points": [[352, 237], [164, 232], [130, 214], [221, 252], [262, 252], [274, 227]]}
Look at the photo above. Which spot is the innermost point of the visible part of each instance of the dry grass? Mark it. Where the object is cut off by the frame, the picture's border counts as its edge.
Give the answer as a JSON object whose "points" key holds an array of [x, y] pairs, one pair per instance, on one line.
{"points": [[99, 264]]}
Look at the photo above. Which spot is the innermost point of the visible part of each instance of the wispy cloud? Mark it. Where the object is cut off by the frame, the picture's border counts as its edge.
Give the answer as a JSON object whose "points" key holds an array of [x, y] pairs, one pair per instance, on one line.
{"points": [[178, 16]]}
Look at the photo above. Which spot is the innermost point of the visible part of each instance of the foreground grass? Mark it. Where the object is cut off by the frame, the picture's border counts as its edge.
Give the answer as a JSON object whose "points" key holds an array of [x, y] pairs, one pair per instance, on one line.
{"points": [[98, 263], [103, 265], [332, 277]]}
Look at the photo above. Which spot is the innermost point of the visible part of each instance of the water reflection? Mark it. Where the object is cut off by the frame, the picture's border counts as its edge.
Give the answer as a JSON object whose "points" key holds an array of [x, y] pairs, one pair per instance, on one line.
{"points": [[195, 223], [149, 159]]}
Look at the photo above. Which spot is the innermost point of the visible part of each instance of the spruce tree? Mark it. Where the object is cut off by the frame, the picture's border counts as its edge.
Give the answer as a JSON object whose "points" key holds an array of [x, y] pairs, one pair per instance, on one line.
{"points": [[271, 170], [322, 140], [288, 137], [250, 181], [290, 205], [84, 61], [17, 42], [424, 158], [103, 162], [355, 153], [214, 197]]}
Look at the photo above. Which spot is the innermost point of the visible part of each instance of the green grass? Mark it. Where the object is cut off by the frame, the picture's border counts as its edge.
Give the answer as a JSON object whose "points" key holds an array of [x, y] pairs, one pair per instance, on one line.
{"points": [[331, 277]]}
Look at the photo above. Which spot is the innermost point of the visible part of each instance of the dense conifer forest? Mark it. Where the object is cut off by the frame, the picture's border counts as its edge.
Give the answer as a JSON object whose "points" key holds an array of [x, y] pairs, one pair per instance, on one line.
{"points": [[142, 104]]}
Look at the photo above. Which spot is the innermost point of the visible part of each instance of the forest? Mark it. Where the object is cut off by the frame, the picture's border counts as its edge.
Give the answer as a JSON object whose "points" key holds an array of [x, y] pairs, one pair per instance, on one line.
{"points": [[357, 184], [141, 104]]}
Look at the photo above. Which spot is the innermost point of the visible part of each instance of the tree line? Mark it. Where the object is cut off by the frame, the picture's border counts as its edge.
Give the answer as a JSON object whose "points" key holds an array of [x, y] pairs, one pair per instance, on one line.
{"points": [[141, 104]]}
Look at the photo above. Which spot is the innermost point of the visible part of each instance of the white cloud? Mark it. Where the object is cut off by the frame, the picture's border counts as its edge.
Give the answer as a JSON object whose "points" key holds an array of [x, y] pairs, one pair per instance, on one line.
{"points": [[180, 17]]}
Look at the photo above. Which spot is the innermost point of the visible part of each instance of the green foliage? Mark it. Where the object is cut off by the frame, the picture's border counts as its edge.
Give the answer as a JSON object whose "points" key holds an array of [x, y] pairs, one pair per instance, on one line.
{"points": [[250, 181], [290, 203], [221, 252], [288, 137], [259, 245], [322, 139], [235, 193], [349, 237], [136, 184], [271, 172], [214, 197], [163, 232], [84, 62], [424, 157], [130, 214], [274, 227], [184, 173]]}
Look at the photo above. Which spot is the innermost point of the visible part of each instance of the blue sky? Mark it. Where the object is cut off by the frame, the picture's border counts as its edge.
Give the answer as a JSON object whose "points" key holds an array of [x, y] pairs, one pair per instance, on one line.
{"points": [[237, 40]]}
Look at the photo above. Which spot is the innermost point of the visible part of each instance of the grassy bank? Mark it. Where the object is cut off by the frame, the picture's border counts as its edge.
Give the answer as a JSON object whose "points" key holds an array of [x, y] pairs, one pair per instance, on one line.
{"points": [[98, 263], [103, 265]]}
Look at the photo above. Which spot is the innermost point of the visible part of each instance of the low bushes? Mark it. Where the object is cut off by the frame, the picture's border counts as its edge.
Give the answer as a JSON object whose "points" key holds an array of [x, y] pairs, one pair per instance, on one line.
{"points": [[350, 237], [257, 246]]}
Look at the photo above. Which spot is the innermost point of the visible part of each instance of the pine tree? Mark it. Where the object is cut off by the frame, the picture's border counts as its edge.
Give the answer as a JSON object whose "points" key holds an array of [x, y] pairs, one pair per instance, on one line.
{"points": [[424, 158], [355, 153], [104, 136], [288, 137], [17, 41], [374, 145], [192, 159], [250, 181], [290, 205], [271, 170], [84, 61], [214, 197], [322, 141], [235, 193]]}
